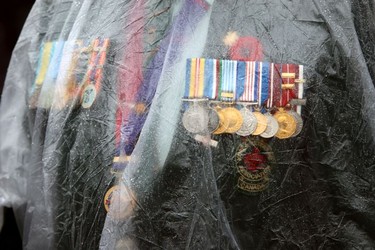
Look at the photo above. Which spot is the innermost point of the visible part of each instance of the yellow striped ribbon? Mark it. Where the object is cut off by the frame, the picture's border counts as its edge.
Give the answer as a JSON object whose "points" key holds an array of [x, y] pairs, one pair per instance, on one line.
{"points": [[44, 63], [192, 77], [201, 78]]}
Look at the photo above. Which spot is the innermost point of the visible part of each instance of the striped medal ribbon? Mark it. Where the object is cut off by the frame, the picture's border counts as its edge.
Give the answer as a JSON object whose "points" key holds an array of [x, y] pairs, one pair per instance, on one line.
{"points": [[95, 71], [227, 80], [289, 72], [300, 91], [262, 74], [129, 81], [287, 122], [71, 70], [188, 17], [256, 82], [261, 77], [47, 93], [45, 55], [231, 119], [246, 85], [199, 85], [251, 85], [295, 111], [272, 124], [201, 78]]}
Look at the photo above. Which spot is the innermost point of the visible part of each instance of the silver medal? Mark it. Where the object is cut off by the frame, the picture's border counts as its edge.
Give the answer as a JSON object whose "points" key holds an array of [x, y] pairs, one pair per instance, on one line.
{"points": [[299, 122], [249, 123], [272, 127], [213, 120], [195, 119]]}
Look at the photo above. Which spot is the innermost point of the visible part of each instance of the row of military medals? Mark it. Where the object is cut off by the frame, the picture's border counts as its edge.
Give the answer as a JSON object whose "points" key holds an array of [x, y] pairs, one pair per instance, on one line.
{"points": [[250, 99], [244, 115], [74, 71], [220, 118]]}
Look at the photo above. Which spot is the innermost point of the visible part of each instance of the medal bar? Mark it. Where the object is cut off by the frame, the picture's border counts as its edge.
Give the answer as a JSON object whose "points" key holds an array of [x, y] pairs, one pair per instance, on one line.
{"points": [[269, 94]]}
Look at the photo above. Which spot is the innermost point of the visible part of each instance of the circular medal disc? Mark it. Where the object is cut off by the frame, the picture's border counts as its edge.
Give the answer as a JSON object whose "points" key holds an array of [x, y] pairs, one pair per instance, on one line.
{"points": [[235, 119], [272, 127], [299, 122], [249, 123], [119, 202], [287, 124], [195, 119], [223, 123], [88, 96], [261, 123], [213, 120]]}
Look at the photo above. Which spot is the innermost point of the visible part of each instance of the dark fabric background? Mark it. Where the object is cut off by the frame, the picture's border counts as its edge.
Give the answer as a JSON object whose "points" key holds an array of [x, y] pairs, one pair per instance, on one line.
{"points": [[12, 17]]}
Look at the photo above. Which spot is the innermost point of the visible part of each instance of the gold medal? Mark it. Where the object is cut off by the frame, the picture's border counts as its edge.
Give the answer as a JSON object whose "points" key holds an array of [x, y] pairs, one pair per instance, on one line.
{"points": [[262, 123], [287, 124], [234, 117], [119, 202], [223, 123]]}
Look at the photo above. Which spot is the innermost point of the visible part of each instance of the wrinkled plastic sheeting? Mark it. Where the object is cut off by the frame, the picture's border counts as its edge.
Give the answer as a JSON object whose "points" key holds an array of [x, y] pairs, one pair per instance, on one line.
{"points": [[57, 157]]}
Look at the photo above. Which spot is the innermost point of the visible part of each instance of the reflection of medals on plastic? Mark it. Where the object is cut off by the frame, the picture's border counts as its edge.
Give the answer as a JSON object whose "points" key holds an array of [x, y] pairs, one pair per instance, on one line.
{"points": [[119, 202], [235, 119], [195, 119], [223, 123], [287, 124], [249, 123], [261, 123], [253, 160], [299, 122], [272, 127], [88, 96]]}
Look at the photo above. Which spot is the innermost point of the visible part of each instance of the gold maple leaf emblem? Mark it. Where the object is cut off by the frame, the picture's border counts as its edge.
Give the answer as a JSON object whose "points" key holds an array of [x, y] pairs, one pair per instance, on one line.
{"points": [[230, 38]]}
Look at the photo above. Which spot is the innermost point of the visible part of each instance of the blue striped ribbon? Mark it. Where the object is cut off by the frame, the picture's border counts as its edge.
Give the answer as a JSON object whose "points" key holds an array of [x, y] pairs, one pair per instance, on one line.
{"points": [[241, 75], [265, 82], [39, 67], [209, 79], [188, 80], [234, 75], [53, 69], [228, 80], [256, 81]]}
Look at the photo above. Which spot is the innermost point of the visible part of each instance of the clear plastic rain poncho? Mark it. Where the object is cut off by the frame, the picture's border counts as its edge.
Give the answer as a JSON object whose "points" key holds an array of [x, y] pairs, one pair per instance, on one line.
{"points": [[192, 124]]}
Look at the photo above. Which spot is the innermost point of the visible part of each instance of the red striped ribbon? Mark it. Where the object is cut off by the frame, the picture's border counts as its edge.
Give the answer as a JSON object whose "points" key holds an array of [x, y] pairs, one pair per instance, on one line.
{"points": [[288, 94], [130, 74]]}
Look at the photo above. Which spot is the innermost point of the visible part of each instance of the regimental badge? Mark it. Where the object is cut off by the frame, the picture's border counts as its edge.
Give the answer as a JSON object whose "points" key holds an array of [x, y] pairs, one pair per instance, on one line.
{"points": [[253, 161]]}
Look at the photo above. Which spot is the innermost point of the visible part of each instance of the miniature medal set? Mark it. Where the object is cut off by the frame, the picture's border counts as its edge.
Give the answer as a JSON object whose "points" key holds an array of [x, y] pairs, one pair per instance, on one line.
{"points": [[83, 63], [243, 97]]}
